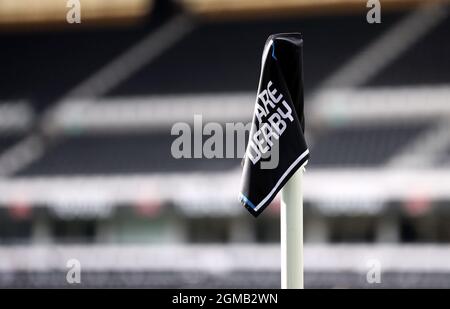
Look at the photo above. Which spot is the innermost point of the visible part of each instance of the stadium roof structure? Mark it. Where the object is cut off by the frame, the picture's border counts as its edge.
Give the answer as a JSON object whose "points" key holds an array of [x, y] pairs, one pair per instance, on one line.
{"points": [[262, 8], [28, 14]]}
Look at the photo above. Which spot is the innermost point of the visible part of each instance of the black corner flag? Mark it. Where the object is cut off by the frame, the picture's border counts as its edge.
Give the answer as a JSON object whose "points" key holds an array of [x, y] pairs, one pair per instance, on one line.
{"points": [[276, 148]]}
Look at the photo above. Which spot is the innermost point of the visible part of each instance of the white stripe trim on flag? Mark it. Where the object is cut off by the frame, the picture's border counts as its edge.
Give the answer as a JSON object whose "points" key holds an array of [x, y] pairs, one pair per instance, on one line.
{"points": [[303, 155]]}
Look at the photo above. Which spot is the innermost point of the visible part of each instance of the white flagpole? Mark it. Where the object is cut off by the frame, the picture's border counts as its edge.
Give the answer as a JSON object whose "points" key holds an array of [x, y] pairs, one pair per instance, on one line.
{"points": [[292, 233]]}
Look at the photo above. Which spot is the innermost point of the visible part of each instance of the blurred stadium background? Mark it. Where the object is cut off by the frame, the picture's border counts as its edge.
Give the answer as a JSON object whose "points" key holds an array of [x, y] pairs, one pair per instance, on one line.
{"points": [[86, 171]]}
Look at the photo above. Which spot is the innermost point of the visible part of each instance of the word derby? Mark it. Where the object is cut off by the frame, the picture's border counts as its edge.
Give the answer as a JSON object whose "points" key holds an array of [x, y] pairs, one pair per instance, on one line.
{"points": [[270, 108]]}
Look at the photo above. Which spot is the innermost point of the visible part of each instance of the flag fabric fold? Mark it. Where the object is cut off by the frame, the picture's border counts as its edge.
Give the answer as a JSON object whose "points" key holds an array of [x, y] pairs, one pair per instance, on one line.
{"points": [[276, 147]]}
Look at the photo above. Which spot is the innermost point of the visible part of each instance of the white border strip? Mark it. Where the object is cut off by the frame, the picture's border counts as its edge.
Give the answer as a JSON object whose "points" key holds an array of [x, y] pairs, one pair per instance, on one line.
{"points": [[302, 156], [15, 116], [322, 185], [388, 47], [375, 104], [223, 258]]}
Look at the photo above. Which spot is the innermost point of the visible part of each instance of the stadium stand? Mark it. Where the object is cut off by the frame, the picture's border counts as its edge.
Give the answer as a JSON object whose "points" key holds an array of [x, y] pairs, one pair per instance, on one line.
{"points": [[68, 57], [226, 266], [429, 56], [118, 154], [370, 145], [86, 170], [226, 55]]}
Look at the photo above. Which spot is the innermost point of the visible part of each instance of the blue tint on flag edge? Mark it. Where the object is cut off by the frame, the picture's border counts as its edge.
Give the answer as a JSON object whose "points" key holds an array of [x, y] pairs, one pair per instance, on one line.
{"points": [[246, 201], [273, 51], [252, 208]]}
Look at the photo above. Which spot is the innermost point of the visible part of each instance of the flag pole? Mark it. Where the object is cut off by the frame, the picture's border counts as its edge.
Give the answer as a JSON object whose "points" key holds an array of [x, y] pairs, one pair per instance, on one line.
{"points": [[292, 232]]}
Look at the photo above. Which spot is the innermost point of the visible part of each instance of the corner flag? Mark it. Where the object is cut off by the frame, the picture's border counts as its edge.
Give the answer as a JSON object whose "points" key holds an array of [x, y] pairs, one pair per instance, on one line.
{"points": [[278, 124]]}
